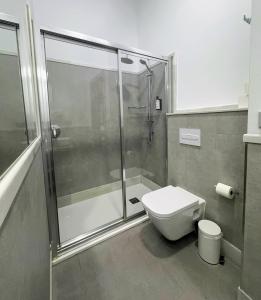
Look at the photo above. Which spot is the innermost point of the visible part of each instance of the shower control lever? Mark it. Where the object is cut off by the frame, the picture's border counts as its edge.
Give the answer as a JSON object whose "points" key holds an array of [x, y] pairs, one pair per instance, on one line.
{"points": [[56, 131]]}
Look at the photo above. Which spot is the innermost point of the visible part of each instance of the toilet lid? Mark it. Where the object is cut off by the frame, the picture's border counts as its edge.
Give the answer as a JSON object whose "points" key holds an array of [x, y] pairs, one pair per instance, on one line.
{"points": [[168, 201], [209, 228]]}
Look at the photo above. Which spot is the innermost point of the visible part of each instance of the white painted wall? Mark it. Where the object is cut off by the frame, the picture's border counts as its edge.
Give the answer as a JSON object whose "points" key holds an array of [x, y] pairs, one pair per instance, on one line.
{"points": [[15, 8], [255, 70], [57, 50], [8, 44], [62, 51], [211, 43], [113, 20]]}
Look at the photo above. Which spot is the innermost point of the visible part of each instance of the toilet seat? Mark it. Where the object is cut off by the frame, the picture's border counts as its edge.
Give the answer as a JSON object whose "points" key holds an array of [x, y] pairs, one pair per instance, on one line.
{"points": [[168, 201], [173, 211]]}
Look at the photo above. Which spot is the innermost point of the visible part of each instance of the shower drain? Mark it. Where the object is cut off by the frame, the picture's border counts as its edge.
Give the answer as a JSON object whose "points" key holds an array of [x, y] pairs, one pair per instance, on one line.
{"points": [[134, 200]]}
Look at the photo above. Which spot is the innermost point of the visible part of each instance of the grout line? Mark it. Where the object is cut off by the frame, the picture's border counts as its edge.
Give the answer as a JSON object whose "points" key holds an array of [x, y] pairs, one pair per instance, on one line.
{"points": [[51, 275]]}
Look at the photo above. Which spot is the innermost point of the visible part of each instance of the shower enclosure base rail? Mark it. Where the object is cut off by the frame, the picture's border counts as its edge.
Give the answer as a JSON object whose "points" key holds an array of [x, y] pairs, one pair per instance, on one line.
{"points": [[65, 253]]}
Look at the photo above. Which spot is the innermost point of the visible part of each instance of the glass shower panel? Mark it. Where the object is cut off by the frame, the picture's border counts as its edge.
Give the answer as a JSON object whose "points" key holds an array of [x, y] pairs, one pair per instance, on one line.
{"points": [[144, 113], [85, 122], [13, 127]]}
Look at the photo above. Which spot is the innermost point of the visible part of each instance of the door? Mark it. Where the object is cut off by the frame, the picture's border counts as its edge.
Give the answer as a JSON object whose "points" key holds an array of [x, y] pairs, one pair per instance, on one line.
{"points": [[84, 115]]}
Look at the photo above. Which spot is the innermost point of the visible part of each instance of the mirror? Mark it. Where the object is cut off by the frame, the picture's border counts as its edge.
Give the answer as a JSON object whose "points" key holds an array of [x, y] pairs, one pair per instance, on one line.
{"points": [[13, 128]]}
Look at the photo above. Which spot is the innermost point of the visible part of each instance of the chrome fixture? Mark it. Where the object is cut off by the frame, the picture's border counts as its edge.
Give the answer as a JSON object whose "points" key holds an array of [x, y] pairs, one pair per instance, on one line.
{"points": [[247, 19], [127, 60], [55, 131], [149, 119], [143, 62]]}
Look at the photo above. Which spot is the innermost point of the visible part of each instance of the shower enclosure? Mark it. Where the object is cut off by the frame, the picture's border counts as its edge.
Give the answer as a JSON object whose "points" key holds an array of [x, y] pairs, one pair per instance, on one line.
{"points": [[104, 133]]}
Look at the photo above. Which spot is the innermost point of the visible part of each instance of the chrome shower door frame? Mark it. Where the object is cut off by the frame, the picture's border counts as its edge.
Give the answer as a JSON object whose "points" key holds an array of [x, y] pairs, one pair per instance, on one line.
{"points": [[52, 206]]}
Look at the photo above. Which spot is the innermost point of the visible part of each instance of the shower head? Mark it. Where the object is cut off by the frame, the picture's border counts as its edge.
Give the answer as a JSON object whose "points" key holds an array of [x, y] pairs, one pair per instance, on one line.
{"points": [[126, 60], [143, 62]]}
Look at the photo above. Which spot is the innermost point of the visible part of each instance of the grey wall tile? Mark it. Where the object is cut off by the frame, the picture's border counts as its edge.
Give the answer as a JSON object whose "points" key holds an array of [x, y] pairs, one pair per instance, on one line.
{"points": [[219, 159], [232, 122], [251, 275], [204, 122], [24, 242]]}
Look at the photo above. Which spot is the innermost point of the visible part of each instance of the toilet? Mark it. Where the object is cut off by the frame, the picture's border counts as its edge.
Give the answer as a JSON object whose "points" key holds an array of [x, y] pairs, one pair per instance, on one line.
{"points": [[173, 211]]}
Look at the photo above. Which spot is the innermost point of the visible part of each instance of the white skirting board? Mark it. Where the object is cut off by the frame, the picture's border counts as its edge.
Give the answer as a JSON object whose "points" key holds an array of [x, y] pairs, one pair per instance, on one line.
{"points": [[242, 295], [230, 251]]}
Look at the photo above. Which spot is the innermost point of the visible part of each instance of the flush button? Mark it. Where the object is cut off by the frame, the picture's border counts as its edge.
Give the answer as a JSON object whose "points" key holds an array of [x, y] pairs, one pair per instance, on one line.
{"points": [[189, 136]]}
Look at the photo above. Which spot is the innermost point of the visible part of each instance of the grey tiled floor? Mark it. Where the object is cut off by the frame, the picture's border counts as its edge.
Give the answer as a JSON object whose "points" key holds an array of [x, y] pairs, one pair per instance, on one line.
{"points": [[141, 264]]}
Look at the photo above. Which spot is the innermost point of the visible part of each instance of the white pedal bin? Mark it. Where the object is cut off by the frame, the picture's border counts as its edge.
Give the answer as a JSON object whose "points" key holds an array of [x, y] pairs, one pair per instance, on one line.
{"points": [[209, 241]]}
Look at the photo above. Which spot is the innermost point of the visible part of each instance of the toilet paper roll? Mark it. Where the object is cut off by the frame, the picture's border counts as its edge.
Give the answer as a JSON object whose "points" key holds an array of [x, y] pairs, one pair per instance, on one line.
{"points": [[225, 190]]}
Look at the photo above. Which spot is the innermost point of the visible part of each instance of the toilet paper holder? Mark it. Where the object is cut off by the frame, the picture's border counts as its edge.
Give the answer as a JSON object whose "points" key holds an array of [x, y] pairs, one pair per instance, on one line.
{"points": [[236, 193]]}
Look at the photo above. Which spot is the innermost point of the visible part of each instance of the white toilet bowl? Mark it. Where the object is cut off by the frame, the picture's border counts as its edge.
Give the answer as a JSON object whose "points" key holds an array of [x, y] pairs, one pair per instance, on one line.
{"points": [[173, 211]]}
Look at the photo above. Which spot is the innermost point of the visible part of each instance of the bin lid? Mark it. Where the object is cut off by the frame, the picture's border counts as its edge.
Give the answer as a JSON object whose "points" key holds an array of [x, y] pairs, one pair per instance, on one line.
{"points": [[209, 228]]}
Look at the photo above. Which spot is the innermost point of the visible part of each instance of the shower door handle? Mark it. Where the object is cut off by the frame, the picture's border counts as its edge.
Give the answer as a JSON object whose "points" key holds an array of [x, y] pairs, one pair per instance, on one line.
{"points": [[55, 131]]}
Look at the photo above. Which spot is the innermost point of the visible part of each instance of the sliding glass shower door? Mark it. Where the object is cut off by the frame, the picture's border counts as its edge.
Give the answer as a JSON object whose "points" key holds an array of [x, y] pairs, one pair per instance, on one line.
{"points": [[85, 120], [104, 131]]}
